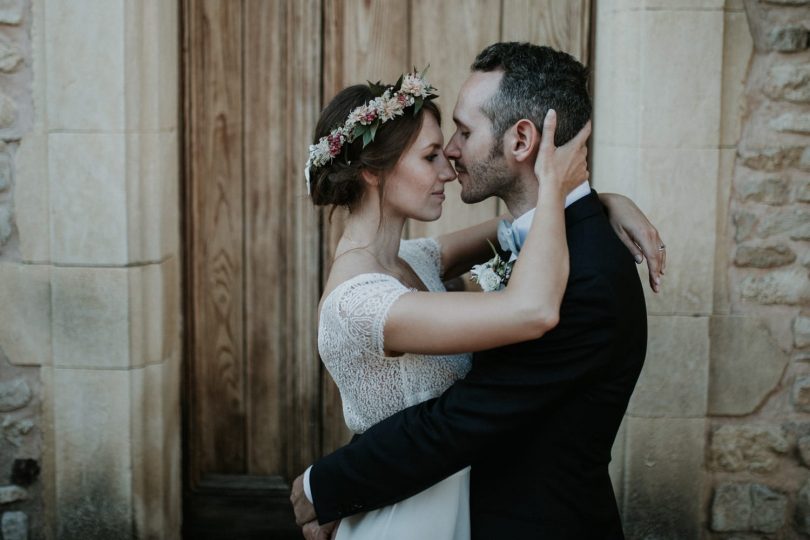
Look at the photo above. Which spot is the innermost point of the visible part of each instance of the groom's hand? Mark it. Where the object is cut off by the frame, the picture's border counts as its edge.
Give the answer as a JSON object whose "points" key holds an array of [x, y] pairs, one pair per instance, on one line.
{"points": [[313, 531], [304, 511]]}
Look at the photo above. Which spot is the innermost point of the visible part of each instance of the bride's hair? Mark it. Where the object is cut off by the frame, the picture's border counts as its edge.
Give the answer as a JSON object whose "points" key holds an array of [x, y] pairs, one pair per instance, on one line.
{"points": [[339, 182]]}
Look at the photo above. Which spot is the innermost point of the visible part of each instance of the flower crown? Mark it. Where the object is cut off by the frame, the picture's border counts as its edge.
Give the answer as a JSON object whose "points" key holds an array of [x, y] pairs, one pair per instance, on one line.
{"points": [[410, 90]]}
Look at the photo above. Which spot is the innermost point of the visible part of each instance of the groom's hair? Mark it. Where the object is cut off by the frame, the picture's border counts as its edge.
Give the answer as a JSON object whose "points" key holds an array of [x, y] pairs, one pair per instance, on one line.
{"points": [[535, 79]]}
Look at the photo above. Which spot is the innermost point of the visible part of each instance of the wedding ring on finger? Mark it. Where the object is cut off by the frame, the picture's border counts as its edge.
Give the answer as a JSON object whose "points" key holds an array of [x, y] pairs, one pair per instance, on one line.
{"points": [[662, 247]]}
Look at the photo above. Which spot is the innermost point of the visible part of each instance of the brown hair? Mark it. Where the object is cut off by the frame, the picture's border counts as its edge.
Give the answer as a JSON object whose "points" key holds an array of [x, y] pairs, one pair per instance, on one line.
{"points": [[339, 182]]}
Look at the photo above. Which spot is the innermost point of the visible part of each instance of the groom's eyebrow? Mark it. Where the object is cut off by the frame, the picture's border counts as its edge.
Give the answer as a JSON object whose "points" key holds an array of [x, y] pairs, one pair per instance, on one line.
{"points": [[458, 121]]}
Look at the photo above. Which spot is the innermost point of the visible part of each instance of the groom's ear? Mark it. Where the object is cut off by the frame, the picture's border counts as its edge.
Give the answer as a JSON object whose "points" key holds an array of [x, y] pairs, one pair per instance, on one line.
{"points": [[522, 140]]}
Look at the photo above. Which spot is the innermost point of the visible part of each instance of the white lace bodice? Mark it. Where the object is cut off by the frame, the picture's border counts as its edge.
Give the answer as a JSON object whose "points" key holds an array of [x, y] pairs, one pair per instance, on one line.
{"points": [[350, 340]]}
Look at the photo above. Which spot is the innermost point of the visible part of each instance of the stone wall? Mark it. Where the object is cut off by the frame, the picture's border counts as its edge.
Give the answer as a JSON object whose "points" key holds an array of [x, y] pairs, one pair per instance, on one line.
{"points": [[89, 269], [759, 443], [21, 421], [702, 117]]}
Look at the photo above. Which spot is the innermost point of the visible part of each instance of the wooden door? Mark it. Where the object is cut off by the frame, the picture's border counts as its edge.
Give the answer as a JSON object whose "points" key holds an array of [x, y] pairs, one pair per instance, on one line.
{"points": [[258, 407]]}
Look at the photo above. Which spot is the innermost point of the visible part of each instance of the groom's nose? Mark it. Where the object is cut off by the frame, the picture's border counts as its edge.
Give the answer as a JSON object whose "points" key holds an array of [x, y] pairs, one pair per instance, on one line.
{"points": [[452, 151]]}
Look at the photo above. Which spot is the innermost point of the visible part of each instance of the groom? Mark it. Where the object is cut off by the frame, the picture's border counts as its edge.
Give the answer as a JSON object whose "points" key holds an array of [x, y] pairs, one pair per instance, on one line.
{"points": [[536, 420]]}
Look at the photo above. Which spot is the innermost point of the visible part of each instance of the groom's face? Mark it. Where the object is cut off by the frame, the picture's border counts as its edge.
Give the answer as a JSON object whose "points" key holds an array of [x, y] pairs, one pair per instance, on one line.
{"points": [[481, 167]]}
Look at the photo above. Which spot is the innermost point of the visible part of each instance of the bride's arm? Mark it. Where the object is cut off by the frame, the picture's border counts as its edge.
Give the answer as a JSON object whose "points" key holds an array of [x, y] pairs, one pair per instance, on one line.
{"points": [[467, 247], [445, 323]]}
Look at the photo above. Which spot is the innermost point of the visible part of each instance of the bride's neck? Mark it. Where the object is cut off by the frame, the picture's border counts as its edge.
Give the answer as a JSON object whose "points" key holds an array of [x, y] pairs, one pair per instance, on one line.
{"points": [[380, 235]]}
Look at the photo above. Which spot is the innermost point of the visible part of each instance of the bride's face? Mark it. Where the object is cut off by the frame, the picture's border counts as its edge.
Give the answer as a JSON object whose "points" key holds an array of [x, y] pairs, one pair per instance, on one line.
{"points": [[415, 188]]}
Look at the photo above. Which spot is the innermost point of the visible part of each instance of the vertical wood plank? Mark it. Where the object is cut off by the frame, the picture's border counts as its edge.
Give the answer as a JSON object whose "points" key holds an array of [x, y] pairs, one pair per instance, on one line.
{"points": [[561, 24], [266, 239], [215, 169], [362, 41], [473, 24], [303, 88]]}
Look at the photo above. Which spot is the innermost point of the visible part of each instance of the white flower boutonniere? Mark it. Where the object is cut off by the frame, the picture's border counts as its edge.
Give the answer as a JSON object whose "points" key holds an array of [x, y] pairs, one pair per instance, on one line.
{"points": [[493, 274]]}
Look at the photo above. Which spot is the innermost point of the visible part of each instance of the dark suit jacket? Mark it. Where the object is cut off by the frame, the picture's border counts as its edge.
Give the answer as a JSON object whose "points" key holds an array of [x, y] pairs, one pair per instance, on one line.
{"points": [[536, 420]]}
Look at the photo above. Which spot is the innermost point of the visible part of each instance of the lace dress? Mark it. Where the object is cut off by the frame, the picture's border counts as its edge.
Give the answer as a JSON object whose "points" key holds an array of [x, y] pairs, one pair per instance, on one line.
{"points": [[374, 386]]}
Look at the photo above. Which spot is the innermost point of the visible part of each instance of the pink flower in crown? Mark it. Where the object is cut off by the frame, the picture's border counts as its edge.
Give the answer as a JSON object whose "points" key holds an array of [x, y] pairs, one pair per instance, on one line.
{"points": [[335, 143], [415, 86], [366, 114]]}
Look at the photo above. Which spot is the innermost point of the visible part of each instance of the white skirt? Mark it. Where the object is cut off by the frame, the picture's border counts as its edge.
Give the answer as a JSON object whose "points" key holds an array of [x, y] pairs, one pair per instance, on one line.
{"points": [[441, 512]]}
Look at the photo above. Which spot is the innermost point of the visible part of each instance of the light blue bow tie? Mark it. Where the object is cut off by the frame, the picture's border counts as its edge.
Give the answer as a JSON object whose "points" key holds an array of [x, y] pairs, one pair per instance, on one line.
{"points": [[509, 237]]}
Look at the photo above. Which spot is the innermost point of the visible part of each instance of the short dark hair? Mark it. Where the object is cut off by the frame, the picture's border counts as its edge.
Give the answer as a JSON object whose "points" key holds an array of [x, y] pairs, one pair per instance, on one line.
{"points": [[535, 79]]}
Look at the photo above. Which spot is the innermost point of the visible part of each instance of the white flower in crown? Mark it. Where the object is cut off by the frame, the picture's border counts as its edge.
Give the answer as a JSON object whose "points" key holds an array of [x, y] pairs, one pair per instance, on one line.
{"points": [[415, 86], [363, 121]]}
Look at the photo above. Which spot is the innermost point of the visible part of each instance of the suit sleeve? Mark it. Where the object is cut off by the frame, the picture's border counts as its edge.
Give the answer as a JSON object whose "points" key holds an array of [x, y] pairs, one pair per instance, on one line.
{"points": [[508, 389]]}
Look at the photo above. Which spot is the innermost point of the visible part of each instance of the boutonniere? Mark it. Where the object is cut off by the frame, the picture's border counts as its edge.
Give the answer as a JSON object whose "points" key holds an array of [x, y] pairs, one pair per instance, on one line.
{"points": [[494, 274]]}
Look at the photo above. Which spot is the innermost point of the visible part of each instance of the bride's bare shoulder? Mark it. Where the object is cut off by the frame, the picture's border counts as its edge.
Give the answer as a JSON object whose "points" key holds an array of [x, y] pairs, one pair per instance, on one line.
{"points": [[350, 265]]}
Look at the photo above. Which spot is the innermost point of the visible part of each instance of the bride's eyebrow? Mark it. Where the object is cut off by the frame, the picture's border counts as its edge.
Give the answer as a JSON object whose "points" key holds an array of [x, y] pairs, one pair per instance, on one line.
{"points": [[432, 145]]}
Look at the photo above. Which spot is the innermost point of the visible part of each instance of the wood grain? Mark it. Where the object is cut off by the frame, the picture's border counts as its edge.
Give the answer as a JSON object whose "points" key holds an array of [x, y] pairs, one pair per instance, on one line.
{"points": [[448, 35], [561, 24], [362, 41], [215, 170]]}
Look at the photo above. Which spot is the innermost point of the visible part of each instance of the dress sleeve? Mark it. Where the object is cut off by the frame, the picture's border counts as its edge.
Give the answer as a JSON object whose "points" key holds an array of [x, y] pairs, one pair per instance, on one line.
{"points": [[362, 309], [425, 253]]}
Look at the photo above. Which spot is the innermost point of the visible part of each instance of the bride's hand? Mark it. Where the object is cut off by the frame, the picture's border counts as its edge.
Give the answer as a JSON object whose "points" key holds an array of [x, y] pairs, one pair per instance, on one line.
{"points": [[565, 167]]}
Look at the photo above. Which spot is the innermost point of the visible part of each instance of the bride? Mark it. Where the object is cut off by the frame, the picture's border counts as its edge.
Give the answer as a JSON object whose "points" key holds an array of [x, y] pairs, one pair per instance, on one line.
{"points": [[388, 332]]}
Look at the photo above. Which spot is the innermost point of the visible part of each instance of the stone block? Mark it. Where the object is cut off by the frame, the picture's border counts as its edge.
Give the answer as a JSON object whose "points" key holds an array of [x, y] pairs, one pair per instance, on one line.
{"points": [[764, 256], [619, 77], [800, 395], [88, 198], [753, 448], [10, 494], [773, 191], [5, 168], [14, 394], [773, 159], [31, 198], [746, 365], [789, 287], [738, 47], [782, 222], [791, 123], [91, 323], [768, 509], [92, 453], [25, 329], [678, 75], [747, 507], [674, 381], [85, 70], [803, 445], [14, 431], [10, 56], [11, 11], [801, 233], [745, 223], [8, 111], [803, 509], [151, 67], [664, 479], [686, 192], [801, 331], [789, 82], [787, 39], [788, 2], [15, 526], [804, 160], [803, 192], [153, 202], [6, 223]]}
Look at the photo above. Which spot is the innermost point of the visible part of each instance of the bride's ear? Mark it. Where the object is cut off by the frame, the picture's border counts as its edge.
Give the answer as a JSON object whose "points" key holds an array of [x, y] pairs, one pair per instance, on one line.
{"points": [[522, 140], [369, 178]]}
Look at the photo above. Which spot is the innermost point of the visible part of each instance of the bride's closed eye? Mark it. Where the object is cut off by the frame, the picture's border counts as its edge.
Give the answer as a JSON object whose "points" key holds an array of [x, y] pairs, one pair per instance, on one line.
{"points": [[432, 157]]}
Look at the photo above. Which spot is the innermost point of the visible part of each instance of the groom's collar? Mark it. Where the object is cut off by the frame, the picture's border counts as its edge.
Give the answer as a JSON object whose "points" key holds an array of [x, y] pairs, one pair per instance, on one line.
{"points": [[524, 222], [587, 206]]}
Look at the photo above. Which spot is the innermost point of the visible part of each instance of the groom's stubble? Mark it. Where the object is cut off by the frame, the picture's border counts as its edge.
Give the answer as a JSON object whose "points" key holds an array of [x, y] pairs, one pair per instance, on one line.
{"points": [[491, 177]]}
